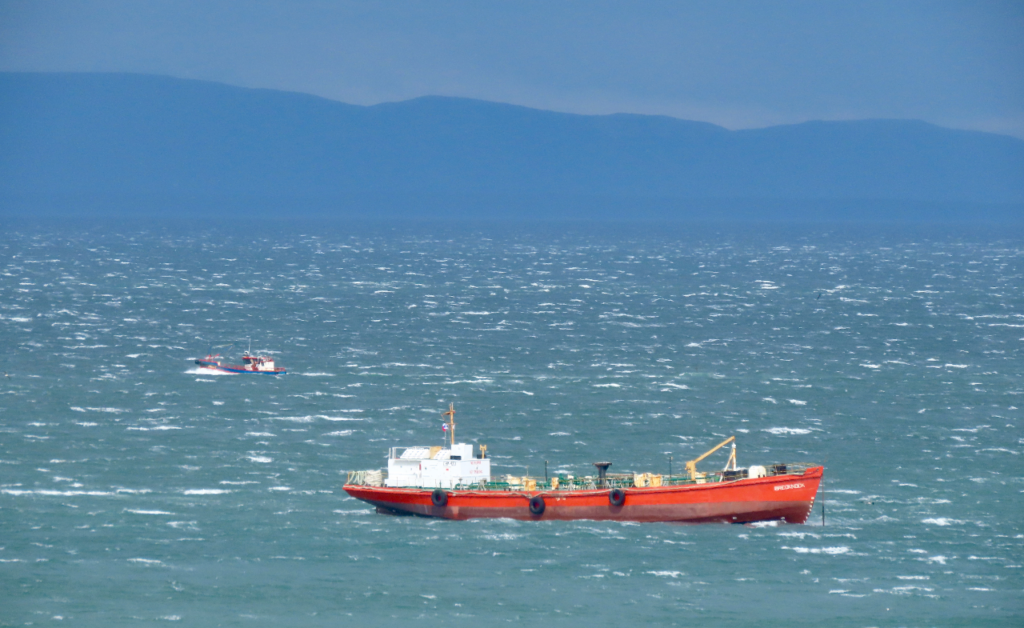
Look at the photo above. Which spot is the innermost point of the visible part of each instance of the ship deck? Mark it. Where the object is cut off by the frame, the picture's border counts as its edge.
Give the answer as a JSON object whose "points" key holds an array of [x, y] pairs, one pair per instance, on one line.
{"points": [[565, 482]]}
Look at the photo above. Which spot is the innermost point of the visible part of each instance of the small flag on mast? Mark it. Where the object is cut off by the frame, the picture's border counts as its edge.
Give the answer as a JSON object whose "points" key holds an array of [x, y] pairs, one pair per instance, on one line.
{"points": [[444, 427]]}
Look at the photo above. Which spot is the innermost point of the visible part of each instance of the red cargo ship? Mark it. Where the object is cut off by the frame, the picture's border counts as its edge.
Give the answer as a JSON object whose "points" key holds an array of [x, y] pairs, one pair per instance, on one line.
{"points": [[453, 483]]}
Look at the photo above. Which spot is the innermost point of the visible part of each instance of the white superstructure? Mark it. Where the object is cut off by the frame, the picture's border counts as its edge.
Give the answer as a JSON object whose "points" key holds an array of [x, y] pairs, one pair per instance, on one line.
{"points": [[436, 467], [259, 363]]}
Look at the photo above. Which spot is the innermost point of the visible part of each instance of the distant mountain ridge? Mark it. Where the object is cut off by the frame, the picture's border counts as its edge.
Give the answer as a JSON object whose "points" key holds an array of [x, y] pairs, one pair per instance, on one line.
{"points": [[81, 143]]}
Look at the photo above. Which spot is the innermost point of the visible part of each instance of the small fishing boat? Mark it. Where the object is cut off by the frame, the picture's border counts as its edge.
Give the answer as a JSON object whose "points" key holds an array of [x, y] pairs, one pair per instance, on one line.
{"points": [[250, 364], [455, 482]]}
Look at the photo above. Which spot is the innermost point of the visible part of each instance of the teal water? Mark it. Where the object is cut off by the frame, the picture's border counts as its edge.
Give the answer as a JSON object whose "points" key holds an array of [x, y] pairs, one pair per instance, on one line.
{"points": [[135, 489]]}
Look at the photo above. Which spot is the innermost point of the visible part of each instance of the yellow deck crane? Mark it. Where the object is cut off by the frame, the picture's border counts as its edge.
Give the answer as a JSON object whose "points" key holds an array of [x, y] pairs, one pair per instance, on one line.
{"points": [[691, 466]]}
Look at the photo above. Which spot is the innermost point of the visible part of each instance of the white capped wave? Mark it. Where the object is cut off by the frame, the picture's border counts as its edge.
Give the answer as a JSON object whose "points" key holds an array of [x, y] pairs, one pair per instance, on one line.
{"points": [[942, 521], [107, 410], [834, 551], [313, 417], [47, 493], [904, 590], [799, 535], [339, 433], [205, 491], [201, 371], [778, 431], [797, 402], [147, 512], [177, 525]]}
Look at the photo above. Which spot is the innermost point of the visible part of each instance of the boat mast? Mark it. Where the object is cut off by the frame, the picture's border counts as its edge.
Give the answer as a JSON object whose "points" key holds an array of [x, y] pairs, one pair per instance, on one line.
{"points": [[451, 421], [732, 459]]}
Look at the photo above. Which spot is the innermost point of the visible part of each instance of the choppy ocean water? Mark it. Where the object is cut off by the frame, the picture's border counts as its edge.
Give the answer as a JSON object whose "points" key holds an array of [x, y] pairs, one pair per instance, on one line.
{"points": [[135, 489]]}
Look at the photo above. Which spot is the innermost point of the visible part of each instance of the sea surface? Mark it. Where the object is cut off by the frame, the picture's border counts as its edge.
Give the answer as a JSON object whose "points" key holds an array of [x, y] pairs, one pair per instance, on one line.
{"points": [[136, 489]]}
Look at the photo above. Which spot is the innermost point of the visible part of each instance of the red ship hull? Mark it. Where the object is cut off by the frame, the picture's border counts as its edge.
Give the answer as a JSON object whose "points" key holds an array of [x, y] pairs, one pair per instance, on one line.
{"points": [[788, 498]]}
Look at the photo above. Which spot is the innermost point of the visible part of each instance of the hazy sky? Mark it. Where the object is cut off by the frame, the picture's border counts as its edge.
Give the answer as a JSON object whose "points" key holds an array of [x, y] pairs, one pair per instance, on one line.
{"points": [[738, 64]]}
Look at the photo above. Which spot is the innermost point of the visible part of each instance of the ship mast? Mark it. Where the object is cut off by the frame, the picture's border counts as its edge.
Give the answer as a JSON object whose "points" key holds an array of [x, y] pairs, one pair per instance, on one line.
{"points": [[451, 421]]}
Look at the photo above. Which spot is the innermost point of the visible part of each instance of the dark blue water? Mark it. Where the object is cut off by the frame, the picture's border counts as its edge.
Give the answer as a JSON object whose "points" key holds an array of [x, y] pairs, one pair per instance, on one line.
{"points": [[135, 489]]}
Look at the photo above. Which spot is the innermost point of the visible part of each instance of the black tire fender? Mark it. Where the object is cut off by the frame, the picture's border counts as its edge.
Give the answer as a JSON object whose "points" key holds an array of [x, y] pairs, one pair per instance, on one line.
{"points": [[537, 505], [617, 497], [439, 498]]}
